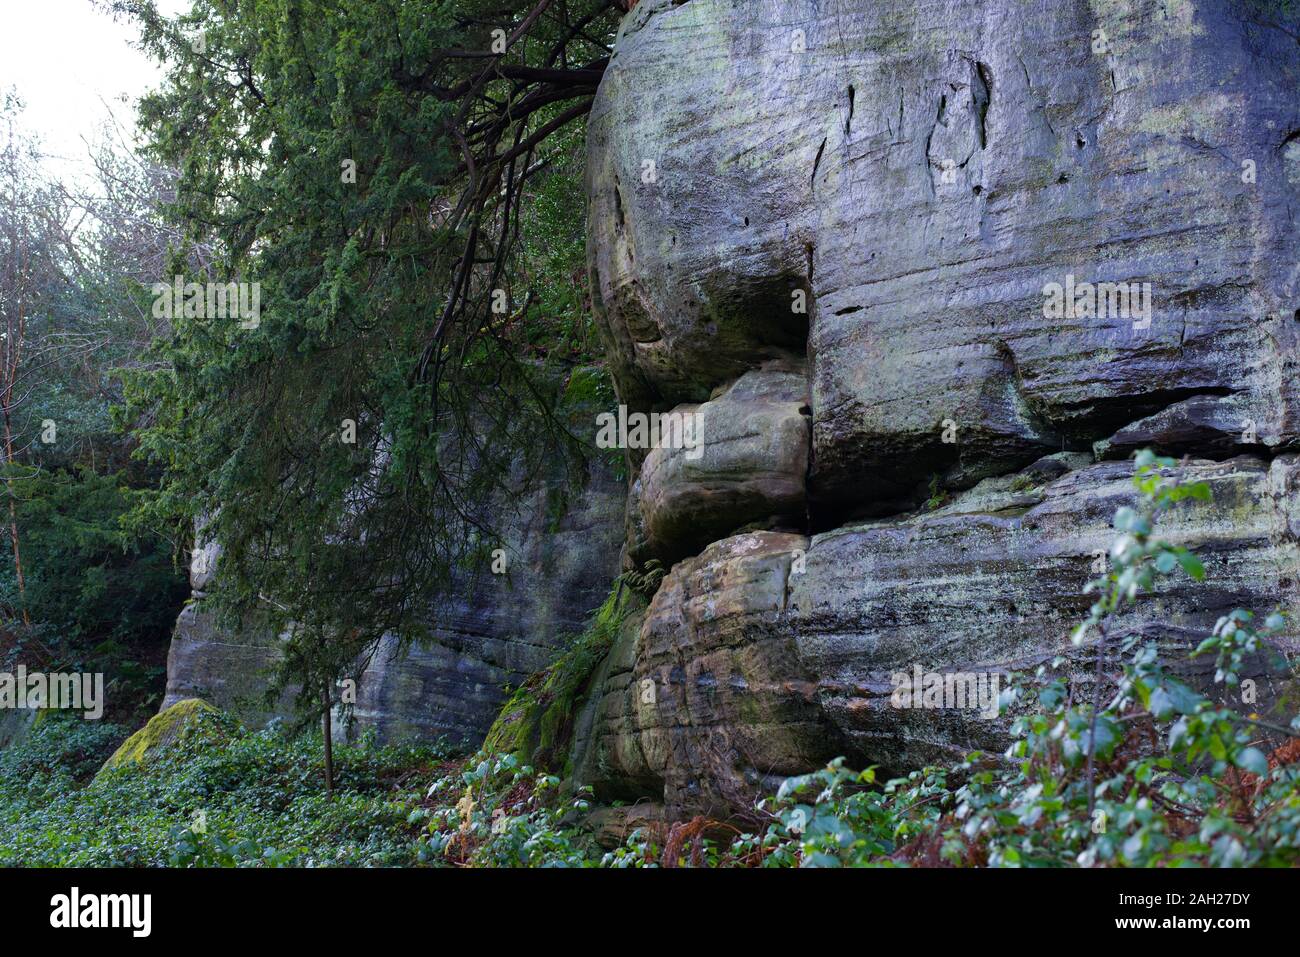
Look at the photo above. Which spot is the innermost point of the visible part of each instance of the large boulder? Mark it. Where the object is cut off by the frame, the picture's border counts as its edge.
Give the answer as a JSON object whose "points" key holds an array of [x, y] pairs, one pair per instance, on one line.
{"points": [[1015, 243], [191, 724], [749, 466], [706, 698], [771, 652]]}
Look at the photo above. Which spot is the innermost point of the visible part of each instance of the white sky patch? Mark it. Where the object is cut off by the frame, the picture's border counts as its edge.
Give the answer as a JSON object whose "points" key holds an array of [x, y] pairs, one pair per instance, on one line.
{"points": [[74, 66]]}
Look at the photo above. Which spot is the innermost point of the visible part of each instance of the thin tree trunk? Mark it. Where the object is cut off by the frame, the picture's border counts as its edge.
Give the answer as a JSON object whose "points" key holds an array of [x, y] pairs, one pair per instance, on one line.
{"points": [[326, 731], [12, 359], [13, 519], [18, 562]]}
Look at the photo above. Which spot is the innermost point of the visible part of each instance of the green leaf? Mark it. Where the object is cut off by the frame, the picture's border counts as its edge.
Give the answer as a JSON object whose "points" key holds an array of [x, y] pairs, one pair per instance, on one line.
{"points": [[1252, 760], [1177, 734], [1191, 564], [1185, 700], [1162, 704]]}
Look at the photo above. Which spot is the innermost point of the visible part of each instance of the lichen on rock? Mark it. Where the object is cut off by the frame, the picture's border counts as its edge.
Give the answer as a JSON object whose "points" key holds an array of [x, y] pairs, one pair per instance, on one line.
{"points": [[192, 724]]}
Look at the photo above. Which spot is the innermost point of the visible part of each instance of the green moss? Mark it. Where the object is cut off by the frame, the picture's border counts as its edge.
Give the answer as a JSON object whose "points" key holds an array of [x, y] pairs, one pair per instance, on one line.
{"points": [[939, 496], [535, 725], [1024, 482], [589, 386], [190, 723]]}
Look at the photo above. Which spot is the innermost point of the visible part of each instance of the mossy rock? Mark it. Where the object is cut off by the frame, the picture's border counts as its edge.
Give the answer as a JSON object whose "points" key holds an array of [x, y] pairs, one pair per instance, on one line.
{"points": [[536, 723], [191, 724]]}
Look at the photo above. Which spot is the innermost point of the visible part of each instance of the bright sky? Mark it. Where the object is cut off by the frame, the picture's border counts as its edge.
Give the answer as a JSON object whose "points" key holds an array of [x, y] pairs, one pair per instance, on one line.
{"points": [[71, 63]]}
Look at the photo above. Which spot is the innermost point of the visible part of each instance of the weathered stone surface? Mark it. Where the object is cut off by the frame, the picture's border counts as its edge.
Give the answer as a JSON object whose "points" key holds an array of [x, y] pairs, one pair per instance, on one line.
{"points": [[769, 652], [924, 169], [15, 724], [930, 176], [230, 667], [750, 466], [980, 585], [1205, 423], [707, 699], [493, 633]]}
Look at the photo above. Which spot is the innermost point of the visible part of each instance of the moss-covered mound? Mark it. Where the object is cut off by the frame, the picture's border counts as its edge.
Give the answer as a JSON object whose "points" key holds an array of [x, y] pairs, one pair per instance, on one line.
{"points": [[536, 723], [192, 723]]}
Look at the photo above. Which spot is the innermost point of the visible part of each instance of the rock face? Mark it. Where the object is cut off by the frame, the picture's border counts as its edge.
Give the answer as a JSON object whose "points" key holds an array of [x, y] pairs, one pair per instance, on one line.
{"points": [[749, 465], [706, 696], [494, 632], [921, 172], [770, 653], [1014, 243], [229, 667]]}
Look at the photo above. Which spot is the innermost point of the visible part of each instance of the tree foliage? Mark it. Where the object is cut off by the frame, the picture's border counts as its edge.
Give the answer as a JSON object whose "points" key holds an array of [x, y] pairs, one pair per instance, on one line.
{"points": [[78, 589], [371, 166]]}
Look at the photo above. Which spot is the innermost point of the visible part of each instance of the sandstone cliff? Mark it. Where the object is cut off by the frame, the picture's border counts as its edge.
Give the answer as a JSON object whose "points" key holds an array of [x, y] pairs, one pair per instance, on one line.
{"points": [[900, 196], [856, 239], [493, 633]]}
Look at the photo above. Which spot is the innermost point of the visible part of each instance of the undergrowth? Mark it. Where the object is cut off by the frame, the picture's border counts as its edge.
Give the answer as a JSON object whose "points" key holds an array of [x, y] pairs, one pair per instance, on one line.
{"points": [[251, 799], [1134, 768]]}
